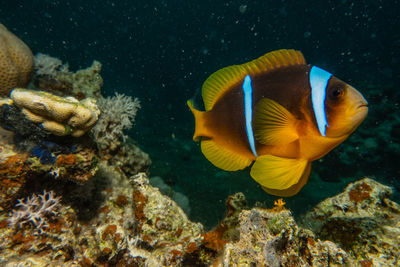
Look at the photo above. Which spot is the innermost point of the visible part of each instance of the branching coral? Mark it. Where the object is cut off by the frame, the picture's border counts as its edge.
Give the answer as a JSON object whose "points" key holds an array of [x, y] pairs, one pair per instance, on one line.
{"points": [[36, 209], [118, 114], [53, 76], [47, 65]]}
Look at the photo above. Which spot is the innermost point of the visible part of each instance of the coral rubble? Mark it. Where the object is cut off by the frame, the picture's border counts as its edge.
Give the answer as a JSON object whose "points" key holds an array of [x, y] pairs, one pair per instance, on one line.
{"points": [[16, 62]]}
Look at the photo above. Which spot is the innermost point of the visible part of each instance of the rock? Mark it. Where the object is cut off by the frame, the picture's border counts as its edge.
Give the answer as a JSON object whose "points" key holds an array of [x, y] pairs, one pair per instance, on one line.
{"points": [[362, 220], [272, 238]]}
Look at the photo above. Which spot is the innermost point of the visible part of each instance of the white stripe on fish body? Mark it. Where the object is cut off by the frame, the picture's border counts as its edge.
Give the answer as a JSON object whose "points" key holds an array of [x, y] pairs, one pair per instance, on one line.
{"points": [[319, 80], [248, 112]]}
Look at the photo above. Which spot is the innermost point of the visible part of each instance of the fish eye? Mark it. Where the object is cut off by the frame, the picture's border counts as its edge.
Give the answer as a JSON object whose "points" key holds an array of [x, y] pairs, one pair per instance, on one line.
{"points": [[337, 92]]}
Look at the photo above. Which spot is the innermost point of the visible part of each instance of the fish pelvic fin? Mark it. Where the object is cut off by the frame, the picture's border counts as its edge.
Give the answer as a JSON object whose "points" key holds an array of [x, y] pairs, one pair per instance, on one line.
{"points": [[294, 189], [280, 176]]}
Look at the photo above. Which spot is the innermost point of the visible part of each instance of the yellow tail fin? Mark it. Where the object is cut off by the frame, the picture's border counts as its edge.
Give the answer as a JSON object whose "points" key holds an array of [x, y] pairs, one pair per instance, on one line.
{"points": [[200, 129]]}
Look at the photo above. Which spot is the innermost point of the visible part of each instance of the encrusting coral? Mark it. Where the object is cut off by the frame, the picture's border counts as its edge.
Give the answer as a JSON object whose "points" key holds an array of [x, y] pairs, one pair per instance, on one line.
{"points": [[58, 115], [16, 62]]}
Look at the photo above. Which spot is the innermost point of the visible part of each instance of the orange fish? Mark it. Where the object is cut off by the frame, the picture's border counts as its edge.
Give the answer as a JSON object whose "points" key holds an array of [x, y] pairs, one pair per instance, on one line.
{"points": [[277, 112]]}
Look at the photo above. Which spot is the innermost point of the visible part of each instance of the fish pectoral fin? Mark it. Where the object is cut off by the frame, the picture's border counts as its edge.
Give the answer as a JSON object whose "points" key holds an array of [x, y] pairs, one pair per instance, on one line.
{"points": [[294, 189], [222, 157], [278, 173], [274, 124]]}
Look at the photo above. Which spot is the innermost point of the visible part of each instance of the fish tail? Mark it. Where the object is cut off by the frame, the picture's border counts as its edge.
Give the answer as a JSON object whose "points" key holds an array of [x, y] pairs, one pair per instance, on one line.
{"points": [[199, 117]]}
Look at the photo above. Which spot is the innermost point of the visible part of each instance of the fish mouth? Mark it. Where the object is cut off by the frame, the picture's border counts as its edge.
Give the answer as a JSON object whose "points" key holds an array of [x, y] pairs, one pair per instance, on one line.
{"points": [[363, 105]]}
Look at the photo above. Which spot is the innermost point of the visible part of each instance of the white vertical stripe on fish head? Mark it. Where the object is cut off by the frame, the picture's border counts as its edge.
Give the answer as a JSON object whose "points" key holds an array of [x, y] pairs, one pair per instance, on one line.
{"points": [[319, 80]]}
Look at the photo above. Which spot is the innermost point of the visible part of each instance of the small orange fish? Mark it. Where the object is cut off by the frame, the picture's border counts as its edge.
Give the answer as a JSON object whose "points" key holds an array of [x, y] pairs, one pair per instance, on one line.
{"points": [[277, 112]]}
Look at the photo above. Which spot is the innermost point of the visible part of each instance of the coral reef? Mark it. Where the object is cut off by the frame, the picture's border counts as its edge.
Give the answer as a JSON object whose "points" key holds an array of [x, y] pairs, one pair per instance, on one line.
{"points": [[135, 224], [106, 213], [127, 222], [272, 238], [16, 62], [129, 158], [118, 114], [179, 198], [58, 115], [17, 169], [54, 76], [363, 220], [35, 210], [47, 65]]}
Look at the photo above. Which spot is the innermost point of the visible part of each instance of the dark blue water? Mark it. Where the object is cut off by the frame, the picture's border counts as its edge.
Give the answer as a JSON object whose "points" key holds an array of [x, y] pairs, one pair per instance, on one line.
{"points": [[162, 51]]}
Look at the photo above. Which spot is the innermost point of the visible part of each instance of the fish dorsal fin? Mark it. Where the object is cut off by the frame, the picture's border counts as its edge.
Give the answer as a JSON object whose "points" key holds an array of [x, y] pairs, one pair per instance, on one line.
{"points": [[274, 124], [294, 189], [278, 173], [222, 157], [222, 80]]}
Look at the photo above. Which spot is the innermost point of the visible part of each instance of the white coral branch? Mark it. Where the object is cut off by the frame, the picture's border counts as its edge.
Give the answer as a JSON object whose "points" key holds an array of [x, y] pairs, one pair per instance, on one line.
{"points": [[47, 65], [117, 114], [35, 209]]}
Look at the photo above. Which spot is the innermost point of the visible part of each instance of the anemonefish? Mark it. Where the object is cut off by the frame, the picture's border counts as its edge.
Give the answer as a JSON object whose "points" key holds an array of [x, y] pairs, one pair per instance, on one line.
{"points": [[277, 112]]}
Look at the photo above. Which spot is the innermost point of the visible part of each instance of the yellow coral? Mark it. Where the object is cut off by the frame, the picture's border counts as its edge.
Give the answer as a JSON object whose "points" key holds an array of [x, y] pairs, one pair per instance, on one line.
{"points": [[16, 62], [279, 202], [58, 115], [279, 205]]}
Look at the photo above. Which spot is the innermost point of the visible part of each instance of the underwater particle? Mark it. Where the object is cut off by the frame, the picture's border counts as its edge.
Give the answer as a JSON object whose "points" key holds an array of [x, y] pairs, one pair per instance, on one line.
{"points": [[242, 8], [307, 34], [370, 143], [16, 64], [58, 115]]}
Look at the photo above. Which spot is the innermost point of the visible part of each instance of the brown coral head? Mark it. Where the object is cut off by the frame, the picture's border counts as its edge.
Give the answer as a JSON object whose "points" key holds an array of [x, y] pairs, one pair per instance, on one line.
{"points": [[16, 62]]}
